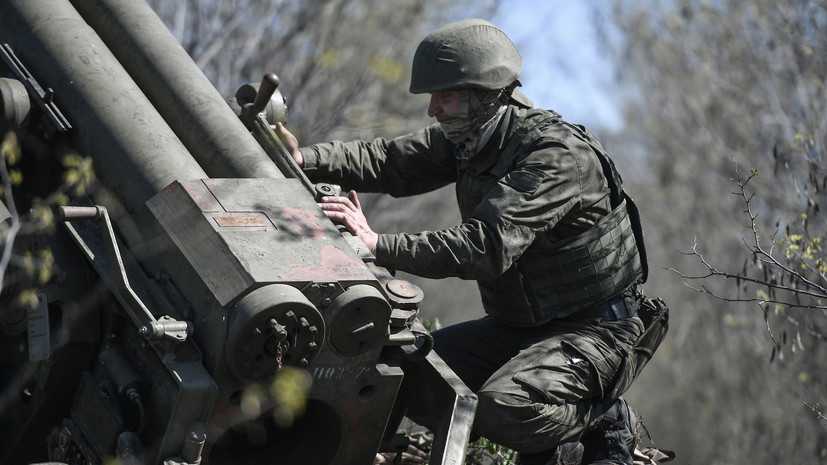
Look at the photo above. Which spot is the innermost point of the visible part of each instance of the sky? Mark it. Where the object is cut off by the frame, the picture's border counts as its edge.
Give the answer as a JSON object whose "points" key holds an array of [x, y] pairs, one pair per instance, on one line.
{"points": [[563, 69]]}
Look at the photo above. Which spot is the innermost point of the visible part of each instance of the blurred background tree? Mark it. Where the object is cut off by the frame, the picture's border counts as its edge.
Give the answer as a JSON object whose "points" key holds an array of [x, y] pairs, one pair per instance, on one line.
{"points": [[707, 86], [717, 90]]}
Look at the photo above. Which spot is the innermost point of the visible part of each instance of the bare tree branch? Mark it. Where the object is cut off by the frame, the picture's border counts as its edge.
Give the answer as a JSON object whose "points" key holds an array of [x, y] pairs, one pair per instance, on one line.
{"points": [[8, 236], [765, 259]]}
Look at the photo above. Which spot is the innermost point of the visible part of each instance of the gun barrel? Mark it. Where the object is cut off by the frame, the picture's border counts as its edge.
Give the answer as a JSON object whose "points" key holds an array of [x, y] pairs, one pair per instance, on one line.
{"points": [[134, 149], [228, 288], [178, 88]]}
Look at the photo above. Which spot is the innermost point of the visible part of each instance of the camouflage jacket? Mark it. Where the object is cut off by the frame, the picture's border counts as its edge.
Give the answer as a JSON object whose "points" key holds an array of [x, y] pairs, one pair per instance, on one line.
{"points": [[553, 189]]}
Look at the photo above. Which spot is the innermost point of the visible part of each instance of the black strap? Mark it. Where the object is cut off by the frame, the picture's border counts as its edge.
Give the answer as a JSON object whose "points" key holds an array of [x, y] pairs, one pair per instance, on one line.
{"points": [[618, 195], [609, 310]]}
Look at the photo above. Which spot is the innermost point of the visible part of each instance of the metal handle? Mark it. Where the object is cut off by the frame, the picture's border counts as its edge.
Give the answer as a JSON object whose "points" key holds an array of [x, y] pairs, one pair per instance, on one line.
{"points": [[118, 281], [268, 87], [80, 213]]}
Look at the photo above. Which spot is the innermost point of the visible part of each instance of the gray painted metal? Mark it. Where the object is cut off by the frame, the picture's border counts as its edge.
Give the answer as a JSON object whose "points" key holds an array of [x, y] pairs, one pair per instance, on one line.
{"points": [[178, 89], [14, 103], [252, 264], [134, 150]]}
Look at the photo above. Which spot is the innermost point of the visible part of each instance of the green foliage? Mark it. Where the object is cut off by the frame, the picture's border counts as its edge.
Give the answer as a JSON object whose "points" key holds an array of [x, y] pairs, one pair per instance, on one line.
{"points": [[78, 176], [10, 156], [285, 396], [10, 149], [432, 325], [388, 69], [485, 452], [29, 265]]}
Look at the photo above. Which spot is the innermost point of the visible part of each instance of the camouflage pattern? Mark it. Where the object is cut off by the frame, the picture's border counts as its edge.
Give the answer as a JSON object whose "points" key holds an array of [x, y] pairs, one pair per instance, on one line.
{"points": [[537, 386], [555, 189], [514, 210]]}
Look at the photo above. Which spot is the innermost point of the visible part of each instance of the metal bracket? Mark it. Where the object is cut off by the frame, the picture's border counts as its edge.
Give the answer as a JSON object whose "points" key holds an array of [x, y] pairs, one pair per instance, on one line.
{"points": [[43, 98]]}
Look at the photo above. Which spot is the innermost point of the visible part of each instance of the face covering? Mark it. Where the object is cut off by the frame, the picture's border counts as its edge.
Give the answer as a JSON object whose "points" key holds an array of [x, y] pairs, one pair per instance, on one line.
{"points": [[458, 127], [481, 136], [476, 108]]}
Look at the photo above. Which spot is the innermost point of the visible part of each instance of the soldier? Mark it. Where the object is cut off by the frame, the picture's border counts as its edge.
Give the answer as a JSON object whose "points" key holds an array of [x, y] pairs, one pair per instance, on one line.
{"points": [[547, 232]]}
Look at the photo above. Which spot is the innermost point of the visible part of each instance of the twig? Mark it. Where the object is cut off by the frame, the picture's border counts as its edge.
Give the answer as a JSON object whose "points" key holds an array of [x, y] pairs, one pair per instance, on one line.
{"points": [[815, 410], [799, 290], [14, 228]]}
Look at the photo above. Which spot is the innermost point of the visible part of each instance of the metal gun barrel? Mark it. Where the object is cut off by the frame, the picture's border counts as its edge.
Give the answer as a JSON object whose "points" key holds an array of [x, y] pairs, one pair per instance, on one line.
{"points": [[228, 287], [179, 90], [134, 149]]}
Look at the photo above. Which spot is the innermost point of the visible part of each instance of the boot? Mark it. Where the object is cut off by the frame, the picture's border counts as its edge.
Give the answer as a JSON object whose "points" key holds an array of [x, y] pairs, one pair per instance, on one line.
{"points": [[612, 434], [569, 453]]}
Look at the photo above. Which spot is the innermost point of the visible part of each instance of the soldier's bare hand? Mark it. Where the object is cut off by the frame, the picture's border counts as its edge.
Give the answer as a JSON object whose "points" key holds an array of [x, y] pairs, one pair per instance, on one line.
{"points": [[290, 142], [348, 211]]}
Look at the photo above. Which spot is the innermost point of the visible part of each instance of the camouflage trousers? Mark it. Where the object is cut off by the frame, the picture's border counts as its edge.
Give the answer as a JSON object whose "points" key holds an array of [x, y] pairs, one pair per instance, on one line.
{"points": [[536, 385]]}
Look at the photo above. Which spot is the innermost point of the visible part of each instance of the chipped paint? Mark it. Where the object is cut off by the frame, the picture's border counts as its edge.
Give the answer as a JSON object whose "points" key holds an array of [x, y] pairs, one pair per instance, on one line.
{"points": [[335, 264], [201, 195], [305, 222]]}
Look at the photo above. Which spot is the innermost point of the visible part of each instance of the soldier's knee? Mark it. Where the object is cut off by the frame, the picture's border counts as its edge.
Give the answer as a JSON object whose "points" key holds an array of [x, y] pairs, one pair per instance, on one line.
{"points": [[509, 420], [523, 424]]}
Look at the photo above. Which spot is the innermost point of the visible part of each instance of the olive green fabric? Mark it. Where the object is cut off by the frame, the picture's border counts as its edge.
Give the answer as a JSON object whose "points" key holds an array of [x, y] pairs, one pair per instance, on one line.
{"points": [[600, 264], [537, 385], [538, 390], [554, 190], [585, 270], [471, 53], [520, 99]]}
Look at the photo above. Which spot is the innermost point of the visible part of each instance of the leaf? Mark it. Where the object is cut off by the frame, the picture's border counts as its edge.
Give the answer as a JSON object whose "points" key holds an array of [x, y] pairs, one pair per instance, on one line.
{"points": [[10, 148]]}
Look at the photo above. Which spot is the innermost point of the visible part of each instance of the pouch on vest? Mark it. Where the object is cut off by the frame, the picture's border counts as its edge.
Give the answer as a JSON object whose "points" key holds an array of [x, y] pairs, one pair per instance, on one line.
{"points": [[655, 316]]}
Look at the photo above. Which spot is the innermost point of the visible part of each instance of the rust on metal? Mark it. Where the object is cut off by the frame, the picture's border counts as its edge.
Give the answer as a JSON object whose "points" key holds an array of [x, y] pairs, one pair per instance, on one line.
{"points": [[246, 220], [404, 289], [202, 196]]}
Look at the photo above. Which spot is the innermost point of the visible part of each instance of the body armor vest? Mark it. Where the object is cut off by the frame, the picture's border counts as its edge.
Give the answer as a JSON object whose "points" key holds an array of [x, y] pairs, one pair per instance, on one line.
{"points": [[576, 272]]}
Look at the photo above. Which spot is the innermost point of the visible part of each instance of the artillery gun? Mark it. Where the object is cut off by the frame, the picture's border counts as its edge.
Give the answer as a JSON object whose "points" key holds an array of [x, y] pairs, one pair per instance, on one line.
{"points": [[205, 310]]}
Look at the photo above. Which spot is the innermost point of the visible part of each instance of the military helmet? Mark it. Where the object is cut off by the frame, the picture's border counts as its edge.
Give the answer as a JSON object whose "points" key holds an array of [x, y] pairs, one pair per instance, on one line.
{"points": [[471, 53]]}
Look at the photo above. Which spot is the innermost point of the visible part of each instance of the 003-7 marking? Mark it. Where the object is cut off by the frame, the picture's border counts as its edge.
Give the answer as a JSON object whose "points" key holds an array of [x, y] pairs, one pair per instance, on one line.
{"points": [[327, 373]]}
